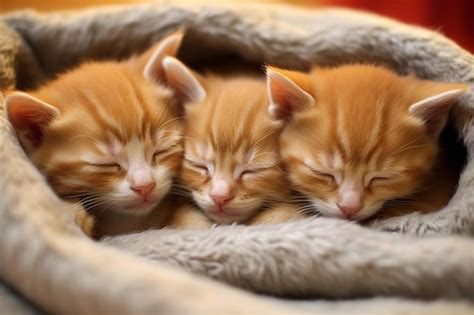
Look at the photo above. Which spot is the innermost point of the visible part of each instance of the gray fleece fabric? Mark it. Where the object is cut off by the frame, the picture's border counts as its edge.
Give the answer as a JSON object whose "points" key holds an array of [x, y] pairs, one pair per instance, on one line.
{"points": [[394, 266]]}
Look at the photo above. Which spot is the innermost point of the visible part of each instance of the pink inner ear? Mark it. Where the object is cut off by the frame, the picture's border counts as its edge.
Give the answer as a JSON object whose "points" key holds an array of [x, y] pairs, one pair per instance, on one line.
{"points": [[183, 82], [29, 119], [285, 96], [283, 100], [434, 110], [167, 47], [436, 119]]}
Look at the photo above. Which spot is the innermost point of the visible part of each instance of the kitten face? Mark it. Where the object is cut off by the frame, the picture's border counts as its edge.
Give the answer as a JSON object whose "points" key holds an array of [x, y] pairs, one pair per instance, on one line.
{"points": [[231, 162], [340, 184], [117, 150], [359, 143], [104, 133]]}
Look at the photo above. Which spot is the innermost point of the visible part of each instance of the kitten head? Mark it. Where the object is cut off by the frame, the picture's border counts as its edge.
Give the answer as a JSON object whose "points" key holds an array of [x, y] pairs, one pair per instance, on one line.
{"points": [[105, 133], [231, 162], [358, 135]]}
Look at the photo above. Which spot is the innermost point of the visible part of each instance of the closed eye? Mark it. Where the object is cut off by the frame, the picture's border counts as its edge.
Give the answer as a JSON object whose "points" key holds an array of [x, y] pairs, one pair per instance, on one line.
{"points": [[379, 180], [321, 174], [248, 172], [107, 166], [198, 166], [254, 171], [324, 175]]}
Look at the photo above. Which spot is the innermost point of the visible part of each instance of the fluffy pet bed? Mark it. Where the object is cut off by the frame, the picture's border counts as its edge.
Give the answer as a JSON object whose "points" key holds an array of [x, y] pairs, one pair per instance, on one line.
{"points": [[45, 258]]}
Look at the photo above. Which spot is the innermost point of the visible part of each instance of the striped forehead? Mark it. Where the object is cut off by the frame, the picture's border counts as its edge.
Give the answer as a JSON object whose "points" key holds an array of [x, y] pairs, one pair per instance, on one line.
{"points": [[246, 139], [335, 160], [208, 151], [357, 131], [125, 114]]}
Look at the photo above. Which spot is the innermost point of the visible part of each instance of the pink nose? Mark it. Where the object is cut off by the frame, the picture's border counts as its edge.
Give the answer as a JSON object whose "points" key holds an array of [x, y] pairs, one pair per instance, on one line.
{"points": [[349, 211], [143, 190], [221, 200]]}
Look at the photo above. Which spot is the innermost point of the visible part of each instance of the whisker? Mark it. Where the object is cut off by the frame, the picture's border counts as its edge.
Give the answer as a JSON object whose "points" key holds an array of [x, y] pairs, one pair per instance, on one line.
{"points": [[262, 138], [90, 199], [190, 138], [95, 205], [170, 137], [169, 121], [405, 146], [76, 196]]}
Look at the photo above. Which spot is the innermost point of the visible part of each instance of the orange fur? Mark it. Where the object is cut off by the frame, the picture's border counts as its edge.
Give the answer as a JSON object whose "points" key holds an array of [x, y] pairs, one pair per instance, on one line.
{"points": [[231, 147], [107, 134], [362, 142]]}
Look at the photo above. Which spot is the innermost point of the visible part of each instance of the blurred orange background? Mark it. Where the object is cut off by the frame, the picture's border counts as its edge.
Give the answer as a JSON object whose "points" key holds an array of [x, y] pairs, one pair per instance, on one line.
{"points": [[454, 18]]}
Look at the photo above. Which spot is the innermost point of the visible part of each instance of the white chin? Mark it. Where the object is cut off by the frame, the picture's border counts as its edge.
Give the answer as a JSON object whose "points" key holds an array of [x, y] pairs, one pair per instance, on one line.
{"points": [[234, 213], [330, 212], [223, 218], [229, 216]]}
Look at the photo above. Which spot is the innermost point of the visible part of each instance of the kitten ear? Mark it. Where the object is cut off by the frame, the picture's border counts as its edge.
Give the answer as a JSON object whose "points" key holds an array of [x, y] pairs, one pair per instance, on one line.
{"points": [[286, 90], [434, 110], [29, 116], [169, 46], [182, 81]]}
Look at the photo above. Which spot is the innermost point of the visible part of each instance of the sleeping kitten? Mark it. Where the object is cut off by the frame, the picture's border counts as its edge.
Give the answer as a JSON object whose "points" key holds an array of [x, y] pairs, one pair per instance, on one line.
{"points": [[107, 134], [358, 136], [231, 162]]}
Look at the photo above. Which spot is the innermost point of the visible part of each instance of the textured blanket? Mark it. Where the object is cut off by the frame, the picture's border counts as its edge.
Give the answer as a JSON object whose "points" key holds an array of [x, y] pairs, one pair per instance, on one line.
{"points": [[382, 268]]}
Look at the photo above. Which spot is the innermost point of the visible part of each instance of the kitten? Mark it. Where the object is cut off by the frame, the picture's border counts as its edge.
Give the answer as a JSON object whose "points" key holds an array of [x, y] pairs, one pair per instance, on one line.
{"points": [[231, 163], [107, 134], [358, 136]]}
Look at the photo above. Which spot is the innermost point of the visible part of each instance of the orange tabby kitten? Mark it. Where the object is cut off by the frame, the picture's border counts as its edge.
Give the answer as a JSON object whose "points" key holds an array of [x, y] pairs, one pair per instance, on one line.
{"points": [[358, 136], [107, 134], [231, 163]]}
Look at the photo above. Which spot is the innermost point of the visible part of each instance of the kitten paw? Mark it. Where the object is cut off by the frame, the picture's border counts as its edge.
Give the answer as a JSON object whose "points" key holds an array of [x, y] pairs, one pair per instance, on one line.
{"points": [[84, 220]]}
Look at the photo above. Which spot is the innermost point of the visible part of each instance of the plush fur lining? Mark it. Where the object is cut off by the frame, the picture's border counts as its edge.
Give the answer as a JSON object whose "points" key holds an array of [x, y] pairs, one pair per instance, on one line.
{"points": [[45, 257]]}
